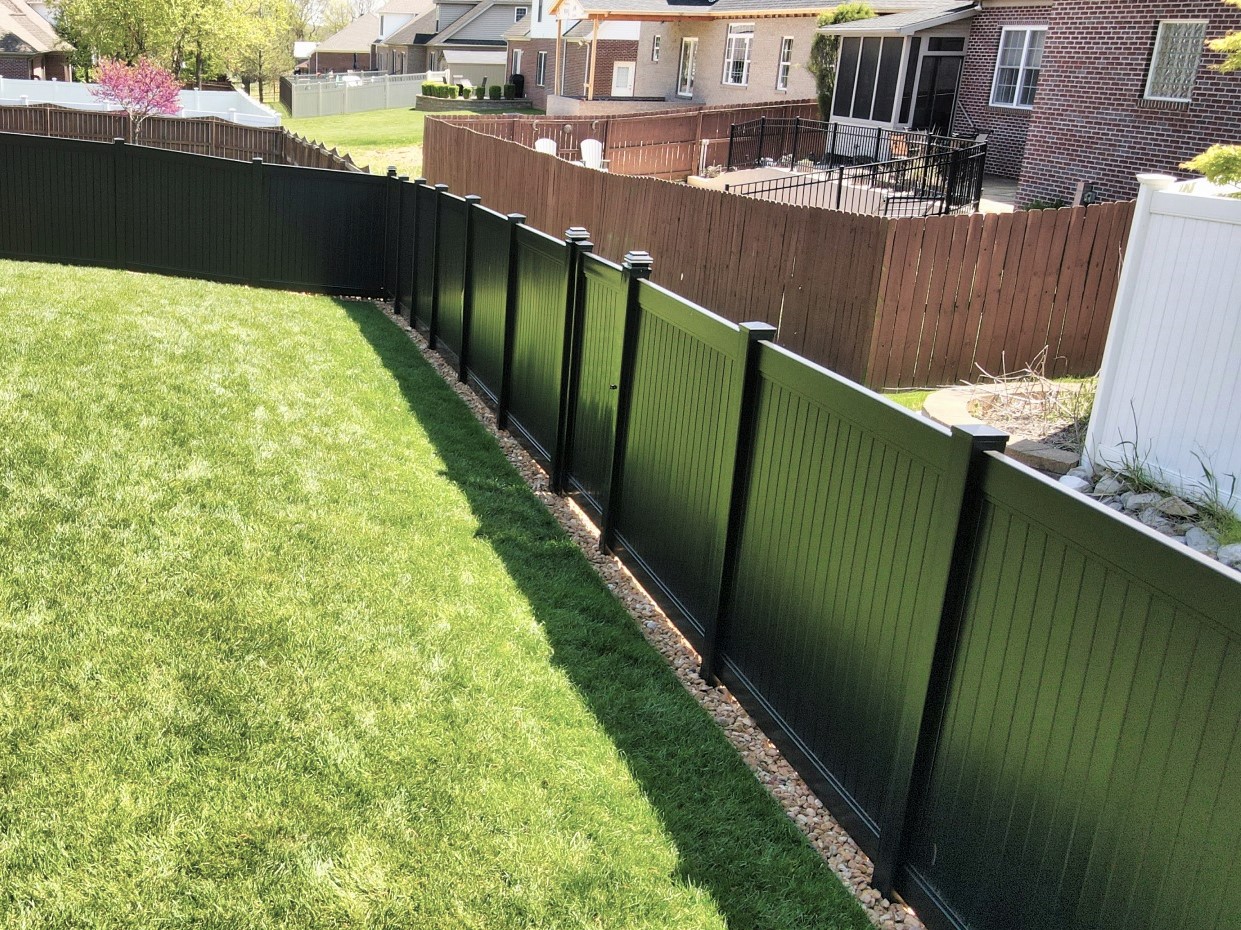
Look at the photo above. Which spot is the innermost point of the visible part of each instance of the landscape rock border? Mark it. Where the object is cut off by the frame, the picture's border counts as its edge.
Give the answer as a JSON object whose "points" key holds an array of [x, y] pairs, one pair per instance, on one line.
{"points": [[853, 867]]}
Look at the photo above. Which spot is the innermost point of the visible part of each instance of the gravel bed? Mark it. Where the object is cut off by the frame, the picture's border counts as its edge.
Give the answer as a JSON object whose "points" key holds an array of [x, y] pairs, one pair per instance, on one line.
{"points": [[838, 849]]}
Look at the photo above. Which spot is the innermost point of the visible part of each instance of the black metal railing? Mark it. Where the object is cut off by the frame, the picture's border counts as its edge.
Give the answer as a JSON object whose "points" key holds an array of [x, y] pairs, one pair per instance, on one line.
{"points": [[947, 181], [816, 144]]}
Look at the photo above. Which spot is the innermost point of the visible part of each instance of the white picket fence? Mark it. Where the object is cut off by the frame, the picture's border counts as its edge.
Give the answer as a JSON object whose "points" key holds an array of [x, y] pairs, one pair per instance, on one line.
{"points": [[1170, 385]]}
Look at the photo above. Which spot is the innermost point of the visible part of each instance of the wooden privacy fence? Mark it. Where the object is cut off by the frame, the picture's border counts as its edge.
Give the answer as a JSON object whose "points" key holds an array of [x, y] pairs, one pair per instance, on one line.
{"points": [[888, 302], [206, 136], [670, 143], [1020, 703]]}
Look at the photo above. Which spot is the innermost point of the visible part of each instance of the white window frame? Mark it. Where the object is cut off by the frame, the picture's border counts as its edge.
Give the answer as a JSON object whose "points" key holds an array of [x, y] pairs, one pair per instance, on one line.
{"points": [[784, 63], [1023, 69], [520, 13], [1159, 47], [540, 69], [685, 82], [655, 43], [737, 49], [516, 61]]}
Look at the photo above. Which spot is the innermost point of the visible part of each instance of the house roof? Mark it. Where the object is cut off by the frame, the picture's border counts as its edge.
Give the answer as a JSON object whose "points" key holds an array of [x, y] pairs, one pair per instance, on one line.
{"points": [[519, 31], [903, 24], [705, 9], [358, 36], [418, 31], [25, 32], [450, 32], [405, 6]]}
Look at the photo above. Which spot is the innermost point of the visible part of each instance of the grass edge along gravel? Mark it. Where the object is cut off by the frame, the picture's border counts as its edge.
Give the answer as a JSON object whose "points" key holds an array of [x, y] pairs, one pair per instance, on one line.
{"points": [[280, 653]]}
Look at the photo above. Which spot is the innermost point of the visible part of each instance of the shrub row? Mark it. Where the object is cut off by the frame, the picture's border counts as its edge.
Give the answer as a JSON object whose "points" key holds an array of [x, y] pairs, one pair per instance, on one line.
{"points": [[434, 89], [453, 91]]}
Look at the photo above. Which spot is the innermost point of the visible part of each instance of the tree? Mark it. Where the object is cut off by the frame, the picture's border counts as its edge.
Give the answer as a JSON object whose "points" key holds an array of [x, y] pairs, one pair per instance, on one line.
{"points": [[1221, 164], [142, 90], [824, 49]]}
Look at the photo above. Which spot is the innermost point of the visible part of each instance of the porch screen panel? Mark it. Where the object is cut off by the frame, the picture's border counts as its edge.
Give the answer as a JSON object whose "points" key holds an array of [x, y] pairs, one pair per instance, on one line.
{"points": [[846, 77], [885, 88], [867, 71], [911, 73]]}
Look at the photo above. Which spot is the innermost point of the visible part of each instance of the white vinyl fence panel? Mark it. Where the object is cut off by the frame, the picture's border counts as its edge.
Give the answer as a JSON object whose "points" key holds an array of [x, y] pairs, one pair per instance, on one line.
{"points": [[231, 105], [1170, 386], [329, 95]]}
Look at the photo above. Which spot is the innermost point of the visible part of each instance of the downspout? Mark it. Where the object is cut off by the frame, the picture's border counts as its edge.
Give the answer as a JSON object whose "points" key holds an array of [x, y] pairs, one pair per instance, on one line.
{"points": [[594, 42]]}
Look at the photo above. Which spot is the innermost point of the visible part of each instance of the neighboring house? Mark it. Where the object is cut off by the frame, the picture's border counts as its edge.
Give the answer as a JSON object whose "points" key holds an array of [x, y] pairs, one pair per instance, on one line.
{"points": [[469, 39], [347, 50], [402, 23], [1076, 97], [695, 52], [30, 49]]}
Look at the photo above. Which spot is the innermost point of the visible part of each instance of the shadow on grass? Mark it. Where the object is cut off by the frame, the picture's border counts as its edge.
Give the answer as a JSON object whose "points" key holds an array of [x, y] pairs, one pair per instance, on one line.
{"points": [[733, 840]]}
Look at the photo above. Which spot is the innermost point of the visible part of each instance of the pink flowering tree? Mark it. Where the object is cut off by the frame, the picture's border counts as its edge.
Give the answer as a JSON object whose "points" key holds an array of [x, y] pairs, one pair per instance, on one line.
{"points": [[142, 90]]}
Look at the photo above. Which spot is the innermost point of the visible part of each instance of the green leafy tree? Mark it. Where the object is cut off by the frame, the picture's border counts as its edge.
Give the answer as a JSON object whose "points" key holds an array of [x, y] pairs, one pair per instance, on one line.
{"points": [[824, 50], [1221, 164]]}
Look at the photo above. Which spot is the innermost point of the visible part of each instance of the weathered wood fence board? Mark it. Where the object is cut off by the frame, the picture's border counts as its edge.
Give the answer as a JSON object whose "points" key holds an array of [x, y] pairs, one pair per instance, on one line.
{"points": [[889, 302], [205, 136]]}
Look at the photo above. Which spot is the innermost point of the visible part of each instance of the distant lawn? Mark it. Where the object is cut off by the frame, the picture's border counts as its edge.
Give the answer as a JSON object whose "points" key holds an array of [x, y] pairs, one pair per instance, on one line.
{"points": [[377, 138], [910, 399], [286, 643]]}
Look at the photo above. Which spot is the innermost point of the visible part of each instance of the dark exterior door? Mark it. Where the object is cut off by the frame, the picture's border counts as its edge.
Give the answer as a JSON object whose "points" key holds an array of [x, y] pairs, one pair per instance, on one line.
{"points": [[937, 93]]}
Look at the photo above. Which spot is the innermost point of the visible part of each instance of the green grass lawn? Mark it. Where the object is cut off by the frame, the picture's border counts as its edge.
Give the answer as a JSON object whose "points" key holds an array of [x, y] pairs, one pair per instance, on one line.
{"points": [[286, 643], [913, 400]]}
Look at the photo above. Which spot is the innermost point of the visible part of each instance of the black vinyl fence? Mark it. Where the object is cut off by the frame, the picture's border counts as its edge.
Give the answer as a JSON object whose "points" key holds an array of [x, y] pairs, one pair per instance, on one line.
{"points": [[945, 182], [1023, 706]]}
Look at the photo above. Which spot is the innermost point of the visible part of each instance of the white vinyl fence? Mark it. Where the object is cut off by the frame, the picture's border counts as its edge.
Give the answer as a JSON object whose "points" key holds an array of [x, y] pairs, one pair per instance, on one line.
{"points": [[331, 94], [1170, 387], [231, 105]]}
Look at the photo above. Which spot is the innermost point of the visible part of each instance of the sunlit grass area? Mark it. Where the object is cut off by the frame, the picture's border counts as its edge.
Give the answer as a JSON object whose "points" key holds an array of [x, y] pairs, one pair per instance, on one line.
{"points": [[286, 642]]}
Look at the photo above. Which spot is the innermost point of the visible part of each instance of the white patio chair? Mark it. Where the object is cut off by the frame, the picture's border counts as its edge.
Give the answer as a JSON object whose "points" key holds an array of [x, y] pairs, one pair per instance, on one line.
{"points": [[592, 155], [546, 146]]}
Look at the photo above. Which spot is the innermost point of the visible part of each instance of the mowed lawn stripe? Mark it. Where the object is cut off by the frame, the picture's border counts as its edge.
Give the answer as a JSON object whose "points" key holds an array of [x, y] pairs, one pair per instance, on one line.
{"points": [[266, 659]]}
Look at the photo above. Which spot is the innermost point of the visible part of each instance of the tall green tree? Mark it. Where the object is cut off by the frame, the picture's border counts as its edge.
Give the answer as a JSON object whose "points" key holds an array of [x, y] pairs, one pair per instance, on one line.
{"points": [[825, 49]]}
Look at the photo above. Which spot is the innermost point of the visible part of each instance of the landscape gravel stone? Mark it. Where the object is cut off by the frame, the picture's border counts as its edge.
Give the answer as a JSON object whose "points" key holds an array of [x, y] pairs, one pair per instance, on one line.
{"points": [[810, 815]]}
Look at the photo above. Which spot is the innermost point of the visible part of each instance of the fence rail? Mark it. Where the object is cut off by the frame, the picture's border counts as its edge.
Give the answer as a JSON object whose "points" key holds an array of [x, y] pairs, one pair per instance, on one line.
{"points": [[214, 137], [911, 302], [1022, 704], [816, 143]]}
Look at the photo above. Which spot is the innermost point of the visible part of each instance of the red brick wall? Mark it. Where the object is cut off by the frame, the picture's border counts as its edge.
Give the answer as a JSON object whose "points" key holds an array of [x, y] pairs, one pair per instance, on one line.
{"points": [[575, 66], [1006, 127], [1090, 122], [17, 68], [339, 61]]}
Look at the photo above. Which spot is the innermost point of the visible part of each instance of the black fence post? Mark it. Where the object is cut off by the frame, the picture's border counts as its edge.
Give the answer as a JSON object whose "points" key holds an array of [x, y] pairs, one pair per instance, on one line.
{"points": [[467, 288], [120, 250], [392, 232], [412, 245], [257, 228], [433, 324], [637, 268], [732, 137], [950, 182], [578, 242], [510, 317], [752, 336], [762, 132], [796, 133], [916, 748]]}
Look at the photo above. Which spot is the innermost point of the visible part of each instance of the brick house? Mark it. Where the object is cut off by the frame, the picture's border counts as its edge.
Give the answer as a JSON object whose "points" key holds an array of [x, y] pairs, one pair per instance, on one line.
{"points": [[671, 52], [405, 27], [1075, 96], [30, 49], [347, 50]]}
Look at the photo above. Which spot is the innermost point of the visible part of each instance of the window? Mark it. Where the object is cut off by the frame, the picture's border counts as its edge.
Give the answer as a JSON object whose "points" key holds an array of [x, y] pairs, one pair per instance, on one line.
{"points": [[1017, 67], [737, 54], [1174, 64], [655, 43], [685, 71], [540, 69], [786, 62], [517, 61], [519, 13]]}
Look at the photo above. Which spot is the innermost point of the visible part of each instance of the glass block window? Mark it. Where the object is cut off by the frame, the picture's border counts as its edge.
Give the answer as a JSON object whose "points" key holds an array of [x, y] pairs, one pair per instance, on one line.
{"points": [[1174, 64], [1017, 67]]}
